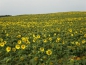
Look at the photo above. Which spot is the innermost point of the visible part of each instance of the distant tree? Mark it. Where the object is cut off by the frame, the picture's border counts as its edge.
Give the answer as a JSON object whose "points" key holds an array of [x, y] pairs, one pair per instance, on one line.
{"points": [[5, 15]]}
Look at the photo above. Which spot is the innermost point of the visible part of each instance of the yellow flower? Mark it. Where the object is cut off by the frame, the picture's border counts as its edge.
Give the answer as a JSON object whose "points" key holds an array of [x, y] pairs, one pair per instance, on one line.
{"points": [[72, 42], [33, 35], [8, 49], [2, 44], [17, 46], [13, 49], [84, 35], [44, 40], [41, 49], [5, 42], [49, 35], [77, 43], [71, 34], [75, 32], [58, 39], [23, 46], [7, 34], [54, 34], [70, 30], [34, 40], [19, 36], [50, 39], [28, 42], [19, 42], [44, 35], [48, 52], [63, 42], [38, 36], [36, 58], [83, 41], [24, 39]]}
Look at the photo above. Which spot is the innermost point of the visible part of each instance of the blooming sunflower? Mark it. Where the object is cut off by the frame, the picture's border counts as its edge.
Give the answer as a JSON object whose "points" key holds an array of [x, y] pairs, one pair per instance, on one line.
{"points": [[38, 36], [70, 30], [13, 49], [58, 39], [7, 34], [44, 40], [48, 52], [50, 39], [5, 42], [83, 41], [23, 39], [2, 44], [19, 36], [8, 49], [17, 46], [77, 43], [23, 46], [19, 42], [85, 35], [42, 49]]}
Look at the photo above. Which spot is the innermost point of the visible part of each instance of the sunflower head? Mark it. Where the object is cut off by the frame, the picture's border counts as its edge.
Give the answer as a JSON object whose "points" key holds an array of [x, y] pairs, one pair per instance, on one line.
{"points": [[17, 46], [23, 46], [8, 49], [48, 52], [41, 49]]}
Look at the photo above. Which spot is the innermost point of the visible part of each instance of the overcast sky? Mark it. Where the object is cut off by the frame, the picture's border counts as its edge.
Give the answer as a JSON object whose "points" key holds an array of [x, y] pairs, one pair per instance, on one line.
{"points": [[16, 7]]}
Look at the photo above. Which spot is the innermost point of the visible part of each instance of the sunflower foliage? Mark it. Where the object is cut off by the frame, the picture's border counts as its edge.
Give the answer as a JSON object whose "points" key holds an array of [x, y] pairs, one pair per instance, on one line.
{"points": [[43, 39]]}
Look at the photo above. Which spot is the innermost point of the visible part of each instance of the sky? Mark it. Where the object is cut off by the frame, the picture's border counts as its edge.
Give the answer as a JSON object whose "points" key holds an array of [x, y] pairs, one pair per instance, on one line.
{"points": [[18, 7]]}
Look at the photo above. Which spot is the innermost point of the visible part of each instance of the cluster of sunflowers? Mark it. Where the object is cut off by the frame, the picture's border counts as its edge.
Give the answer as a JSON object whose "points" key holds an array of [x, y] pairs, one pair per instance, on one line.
{"points": [[46, 39]]}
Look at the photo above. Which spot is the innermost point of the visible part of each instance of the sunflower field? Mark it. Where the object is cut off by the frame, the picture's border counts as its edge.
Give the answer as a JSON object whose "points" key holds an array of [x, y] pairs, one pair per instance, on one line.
{"points": [[43, 39]]}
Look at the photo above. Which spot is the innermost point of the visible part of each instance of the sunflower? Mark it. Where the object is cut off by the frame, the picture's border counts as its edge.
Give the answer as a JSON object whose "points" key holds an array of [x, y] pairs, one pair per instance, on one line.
{"points": [[41, 49], [72, 35], [58, 39], [17, 46], [13, 49], [23, 46], [2, 44], [54, 34], [19, 42], [83, 41], [8, 49], [5, 42], [50, 39], [85, 35], [44, 40], [24, 39], [19, 36], [38, 36], [70, 30], [77, 43], [48, 52], [7, 34]]}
